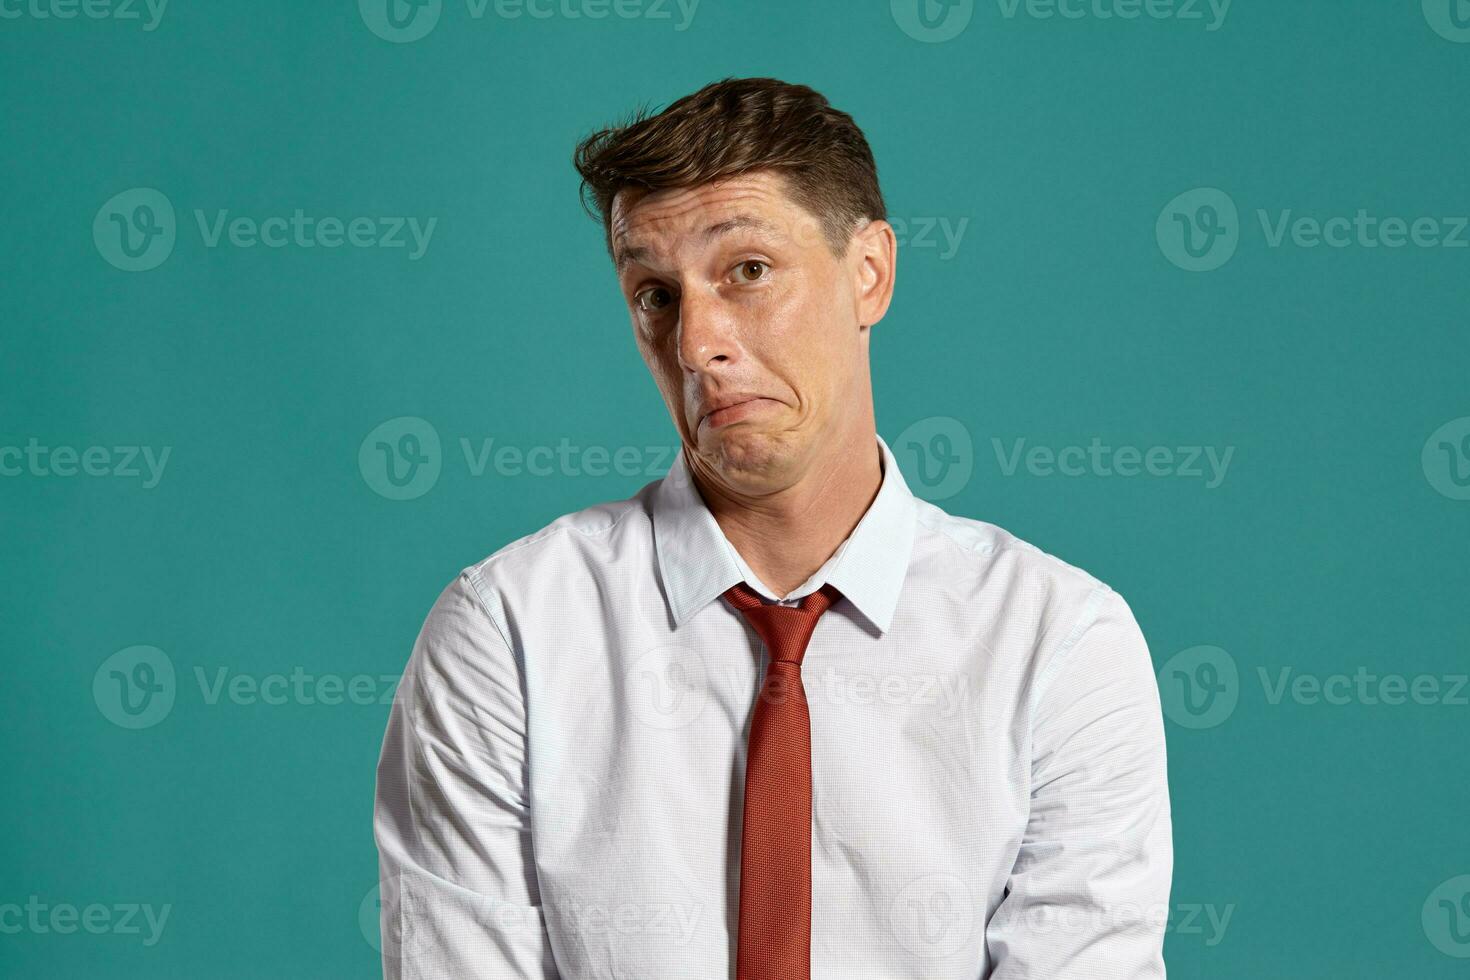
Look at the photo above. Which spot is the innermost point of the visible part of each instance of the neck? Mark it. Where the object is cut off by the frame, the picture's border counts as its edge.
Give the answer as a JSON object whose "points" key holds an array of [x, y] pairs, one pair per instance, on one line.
{"points": [[786, 535]]}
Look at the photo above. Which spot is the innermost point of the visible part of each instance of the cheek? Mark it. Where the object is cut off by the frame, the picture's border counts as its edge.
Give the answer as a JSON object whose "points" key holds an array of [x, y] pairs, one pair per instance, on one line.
{"points": [[673, 384], [661, 366], [801, 326]]}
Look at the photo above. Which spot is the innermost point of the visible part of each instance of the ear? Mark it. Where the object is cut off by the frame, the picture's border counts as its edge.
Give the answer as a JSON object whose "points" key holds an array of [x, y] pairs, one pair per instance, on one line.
{"points": [[873, 261]]}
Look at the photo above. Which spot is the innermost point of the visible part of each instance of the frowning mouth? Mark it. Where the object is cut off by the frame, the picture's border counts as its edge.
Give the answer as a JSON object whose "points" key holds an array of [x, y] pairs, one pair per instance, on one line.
{"points": [[735, 411]]}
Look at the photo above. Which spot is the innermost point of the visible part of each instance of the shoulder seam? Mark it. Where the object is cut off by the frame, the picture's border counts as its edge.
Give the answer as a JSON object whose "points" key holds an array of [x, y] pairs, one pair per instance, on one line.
{"points": [[549, 532], [472, 576], [978, 547], [1085, 618], [1009, 543]]}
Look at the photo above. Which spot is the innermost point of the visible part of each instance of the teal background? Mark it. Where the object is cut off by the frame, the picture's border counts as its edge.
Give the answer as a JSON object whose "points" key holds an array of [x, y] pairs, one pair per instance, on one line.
{"points": [[265, 548]]}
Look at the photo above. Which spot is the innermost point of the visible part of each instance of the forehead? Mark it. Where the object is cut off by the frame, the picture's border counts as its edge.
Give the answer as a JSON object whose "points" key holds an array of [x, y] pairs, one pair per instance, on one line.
{"points": [[647, 223]]}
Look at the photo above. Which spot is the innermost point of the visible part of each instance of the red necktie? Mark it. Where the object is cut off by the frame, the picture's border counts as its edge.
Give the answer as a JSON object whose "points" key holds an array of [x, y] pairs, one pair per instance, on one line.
{"points": [[775, 938]]}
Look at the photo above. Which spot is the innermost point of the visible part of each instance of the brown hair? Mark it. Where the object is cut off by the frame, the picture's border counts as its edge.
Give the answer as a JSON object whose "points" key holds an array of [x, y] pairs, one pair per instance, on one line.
{"points": [[731, 127]]}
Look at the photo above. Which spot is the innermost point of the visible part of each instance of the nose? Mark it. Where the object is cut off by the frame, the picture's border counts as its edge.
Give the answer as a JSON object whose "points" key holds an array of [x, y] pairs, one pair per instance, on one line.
{"points": [[708, 337]]}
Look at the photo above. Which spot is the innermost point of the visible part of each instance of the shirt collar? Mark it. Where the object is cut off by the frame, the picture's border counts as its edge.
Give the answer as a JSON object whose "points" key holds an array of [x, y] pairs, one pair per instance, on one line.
{"points": [[697, 562]]}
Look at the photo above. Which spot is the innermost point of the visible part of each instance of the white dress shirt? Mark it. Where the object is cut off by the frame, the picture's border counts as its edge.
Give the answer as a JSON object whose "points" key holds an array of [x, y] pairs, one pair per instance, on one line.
{"points": [[561, 784]]}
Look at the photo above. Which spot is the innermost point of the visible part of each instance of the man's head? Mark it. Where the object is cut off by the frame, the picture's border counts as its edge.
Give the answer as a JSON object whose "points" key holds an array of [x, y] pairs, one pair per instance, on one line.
{"points": [[750, 242]]}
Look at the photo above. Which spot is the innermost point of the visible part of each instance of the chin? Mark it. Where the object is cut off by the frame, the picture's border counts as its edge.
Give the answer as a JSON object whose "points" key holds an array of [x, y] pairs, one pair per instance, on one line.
{"points": [[751, 455]]}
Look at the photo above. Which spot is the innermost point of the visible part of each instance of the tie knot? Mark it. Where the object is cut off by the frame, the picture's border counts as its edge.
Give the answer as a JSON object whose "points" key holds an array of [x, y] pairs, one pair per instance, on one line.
{"points": [[786, 630]]}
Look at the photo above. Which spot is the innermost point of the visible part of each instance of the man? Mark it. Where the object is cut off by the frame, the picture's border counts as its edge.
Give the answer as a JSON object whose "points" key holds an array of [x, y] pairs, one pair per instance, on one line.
{"points": [[773, 716]]}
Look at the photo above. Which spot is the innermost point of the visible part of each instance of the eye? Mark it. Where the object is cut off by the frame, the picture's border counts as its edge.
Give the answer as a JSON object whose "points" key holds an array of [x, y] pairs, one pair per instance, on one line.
{"points": [[751, 270], [653, 299]]}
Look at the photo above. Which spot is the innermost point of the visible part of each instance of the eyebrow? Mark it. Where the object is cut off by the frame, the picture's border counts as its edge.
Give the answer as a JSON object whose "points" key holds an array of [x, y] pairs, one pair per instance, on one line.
{"points": [[637, 253]]}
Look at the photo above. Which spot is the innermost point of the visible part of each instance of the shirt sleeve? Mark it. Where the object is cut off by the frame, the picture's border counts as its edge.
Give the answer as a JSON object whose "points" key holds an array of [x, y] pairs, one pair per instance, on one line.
{"points": [[1088, 897], [459, 897]]}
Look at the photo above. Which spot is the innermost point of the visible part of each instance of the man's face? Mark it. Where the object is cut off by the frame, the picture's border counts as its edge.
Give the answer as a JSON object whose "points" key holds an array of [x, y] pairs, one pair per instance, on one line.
{"points": [[755, 333]]}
